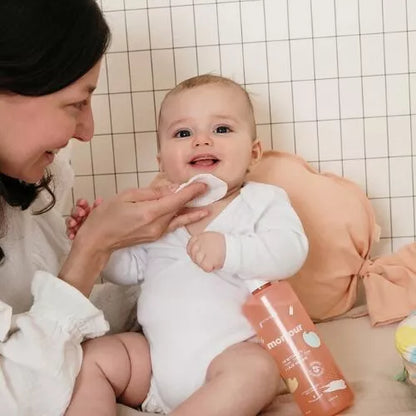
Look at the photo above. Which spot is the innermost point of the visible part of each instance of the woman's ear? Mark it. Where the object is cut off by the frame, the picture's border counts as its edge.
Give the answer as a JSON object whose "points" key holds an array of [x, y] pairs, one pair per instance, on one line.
{"points": [[256, 153]]}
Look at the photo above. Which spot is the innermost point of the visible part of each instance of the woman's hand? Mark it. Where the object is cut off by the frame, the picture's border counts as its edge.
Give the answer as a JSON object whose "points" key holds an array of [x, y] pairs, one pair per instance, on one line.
{"points": [[140, 215], [132, 217]]}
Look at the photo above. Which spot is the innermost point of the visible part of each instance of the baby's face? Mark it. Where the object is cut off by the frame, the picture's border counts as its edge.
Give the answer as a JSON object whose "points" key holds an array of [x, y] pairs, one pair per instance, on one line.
{"points": [[207, 129]]}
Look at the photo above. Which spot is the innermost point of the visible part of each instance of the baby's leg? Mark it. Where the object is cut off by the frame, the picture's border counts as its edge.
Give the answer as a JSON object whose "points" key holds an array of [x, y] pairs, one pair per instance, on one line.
{"points": [[113, 367], [240, 381]]}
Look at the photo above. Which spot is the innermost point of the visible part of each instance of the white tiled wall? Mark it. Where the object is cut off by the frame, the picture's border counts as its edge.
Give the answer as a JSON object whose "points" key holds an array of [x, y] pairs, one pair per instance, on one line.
{"points": [[332, 80]]}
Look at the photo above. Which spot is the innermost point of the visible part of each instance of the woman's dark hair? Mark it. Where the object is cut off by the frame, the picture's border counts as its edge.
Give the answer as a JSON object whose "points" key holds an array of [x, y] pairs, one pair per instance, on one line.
{"points": [[45, 45]]}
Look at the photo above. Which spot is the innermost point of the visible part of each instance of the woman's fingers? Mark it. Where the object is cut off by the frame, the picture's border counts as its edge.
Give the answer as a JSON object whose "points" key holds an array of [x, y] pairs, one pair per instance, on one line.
{"points": [[147, 194], [186, 218], [174, 202], [163, 215], [168, 200]]}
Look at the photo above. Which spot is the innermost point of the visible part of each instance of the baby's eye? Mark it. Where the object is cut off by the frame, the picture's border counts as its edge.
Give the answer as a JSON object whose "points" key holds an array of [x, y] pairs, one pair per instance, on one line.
{"points": [[182, 133], [222, 130]]}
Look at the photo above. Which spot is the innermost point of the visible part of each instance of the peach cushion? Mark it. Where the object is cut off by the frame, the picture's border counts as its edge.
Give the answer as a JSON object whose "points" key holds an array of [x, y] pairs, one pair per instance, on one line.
{"points": [[340, 224]]}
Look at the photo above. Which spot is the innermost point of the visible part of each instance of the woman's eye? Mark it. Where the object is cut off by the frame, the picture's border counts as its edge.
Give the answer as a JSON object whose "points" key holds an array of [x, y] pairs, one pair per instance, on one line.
{"points": [[222, 130], [80, 105], [182, 133]]}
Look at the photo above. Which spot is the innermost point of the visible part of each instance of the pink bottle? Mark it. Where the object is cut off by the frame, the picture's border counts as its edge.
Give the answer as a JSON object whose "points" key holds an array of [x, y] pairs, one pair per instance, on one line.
{"points": [[305, 363]]}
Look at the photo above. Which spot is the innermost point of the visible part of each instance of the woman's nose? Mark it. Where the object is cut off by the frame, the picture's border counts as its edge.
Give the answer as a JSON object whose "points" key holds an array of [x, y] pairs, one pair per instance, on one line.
{"points": [[85, 125]]}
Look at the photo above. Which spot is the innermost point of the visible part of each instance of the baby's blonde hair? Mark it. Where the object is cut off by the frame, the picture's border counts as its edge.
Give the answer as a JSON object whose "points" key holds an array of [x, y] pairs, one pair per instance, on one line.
{"points": [[207, 79]]}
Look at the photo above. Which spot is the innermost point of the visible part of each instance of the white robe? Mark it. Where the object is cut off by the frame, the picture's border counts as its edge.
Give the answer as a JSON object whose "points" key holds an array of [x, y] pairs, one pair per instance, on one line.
{"points": [[42, 319]]}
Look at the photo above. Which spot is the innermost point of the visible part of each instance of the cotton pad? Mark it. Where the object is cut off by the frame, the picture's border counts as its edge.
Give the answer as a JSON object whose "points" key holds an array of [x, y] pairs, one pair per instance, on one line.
{"points": [[217, 188]]}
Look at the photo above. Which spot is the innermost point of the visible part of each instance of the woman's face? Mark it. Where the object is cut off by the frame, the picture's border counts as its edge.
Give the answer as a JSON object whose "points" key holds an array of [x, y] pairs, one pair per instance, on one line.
{"points": [[33, 129]]}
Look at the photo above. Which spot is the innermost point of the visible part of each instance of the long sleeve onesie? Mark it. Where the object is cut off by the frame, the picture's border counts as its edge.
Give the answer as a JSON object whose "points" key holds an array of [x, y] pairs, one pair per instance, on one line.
{"points": [[190, 316]]}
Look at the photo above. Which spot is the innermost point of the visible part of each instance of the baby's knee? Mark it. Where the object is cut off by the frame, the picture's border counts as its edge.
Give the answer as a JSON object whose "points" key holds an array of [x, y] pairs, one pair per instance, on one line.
{"points": [[101, 350], [123, 359], [249, 366], [264, 370]]}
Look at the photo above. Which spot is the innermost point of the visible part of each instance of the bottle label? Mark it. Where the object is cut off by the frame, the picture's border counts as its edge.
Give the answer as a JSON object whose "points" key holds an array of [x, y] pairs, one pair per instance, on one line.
{"points": [[281, 339]]}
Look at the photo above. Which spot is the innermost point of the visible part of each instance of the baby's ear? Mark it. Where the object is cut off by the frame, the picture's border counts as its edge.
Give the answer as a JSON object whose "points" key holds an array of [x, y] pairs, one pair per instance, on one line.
{"points": [[256, 152]]}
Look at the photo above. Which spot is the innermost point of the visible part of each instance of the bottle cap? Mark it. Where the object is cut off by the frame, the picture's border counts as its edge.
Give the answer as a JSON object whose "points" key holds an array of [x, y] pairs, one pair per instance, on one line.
{"points": [[254, 284]]}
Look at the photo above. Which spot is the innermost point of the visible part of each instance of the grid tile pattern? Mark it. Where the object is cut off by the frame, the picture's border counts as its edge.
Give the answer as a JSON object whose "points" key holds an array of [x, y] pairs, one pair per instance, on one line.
{"points": [[332, 80]]}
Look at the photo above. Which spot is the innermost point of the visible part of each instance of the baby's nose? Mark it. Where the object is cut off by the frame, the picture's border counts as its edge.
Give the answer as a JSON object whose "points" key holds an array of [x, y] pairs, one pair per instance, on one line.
{"points": [[202, 140]]}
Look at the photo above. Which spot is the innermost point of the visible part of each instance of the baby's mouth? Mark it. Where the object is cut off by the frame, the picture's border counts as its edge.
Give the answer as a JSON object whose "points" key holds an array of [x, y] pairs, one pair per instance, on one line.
{"points": [[204, 161]]}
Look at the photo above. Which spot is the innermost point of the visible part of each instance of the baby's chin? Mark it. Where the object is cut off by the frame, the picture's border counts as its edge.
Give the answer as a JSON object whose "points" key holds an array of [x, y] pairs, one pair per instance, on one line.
{"points": [[182, 178], [190, 176]]}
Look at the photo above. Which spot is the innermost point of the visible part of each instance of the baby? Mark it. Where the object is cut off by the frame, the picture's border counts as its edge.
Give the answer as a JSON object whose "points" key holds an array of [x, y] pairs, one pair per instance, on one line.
{"points": [[204, 355]]}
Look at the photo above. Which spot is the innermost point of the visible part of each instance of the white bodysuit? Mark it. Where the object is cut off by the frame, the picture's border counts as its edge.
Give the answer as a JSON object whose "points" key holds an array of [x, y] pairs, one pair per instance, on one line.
{"points": [[190, 316]]}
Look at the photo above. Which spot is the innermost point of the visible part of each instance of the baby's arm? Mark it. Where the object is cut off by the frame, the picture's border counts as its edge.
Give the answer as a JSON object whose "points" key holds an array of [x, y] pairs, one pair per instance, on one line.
{"points": [[126, 266], [275, 250]]}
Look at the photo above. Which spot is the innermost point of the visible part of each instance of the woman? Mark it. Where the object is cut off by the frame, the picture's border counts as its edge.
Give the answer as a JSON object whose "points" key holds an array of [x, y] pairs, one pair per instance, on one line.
{"points": [[50, 56]]}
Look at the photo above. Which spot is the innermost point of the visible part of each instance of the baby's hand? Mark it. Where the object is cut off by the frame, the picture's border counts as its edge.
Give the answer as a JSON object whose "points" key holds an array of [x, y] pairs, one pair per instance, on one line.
{"points": [[78, 215], [207, 250]]}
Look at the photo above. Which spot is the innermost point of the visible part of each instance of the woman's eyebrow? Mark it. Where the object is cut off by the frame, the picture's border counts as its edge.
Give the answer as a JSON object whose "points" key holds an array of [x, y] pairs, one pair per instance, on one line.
{"points": [[90, 88]]}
